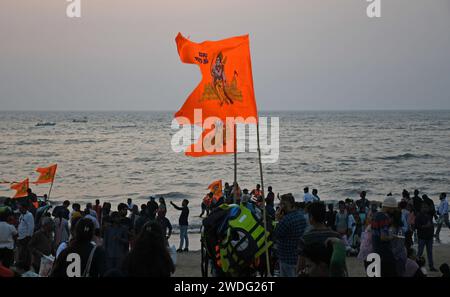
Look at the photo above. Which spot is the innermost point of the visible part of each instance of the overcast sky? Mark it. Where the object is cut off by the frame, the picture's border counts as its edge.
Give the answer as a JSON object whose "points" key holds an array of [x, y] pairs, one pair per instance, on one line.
{"points": [[306, 54]]}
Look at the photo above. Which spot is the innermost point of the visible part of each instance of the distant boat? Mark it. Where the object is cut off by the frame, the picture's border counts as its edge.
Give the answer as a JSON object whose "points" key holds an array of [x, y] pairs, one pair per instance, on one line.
{"points": [[124, 126], [45, 124], [83, 120]]}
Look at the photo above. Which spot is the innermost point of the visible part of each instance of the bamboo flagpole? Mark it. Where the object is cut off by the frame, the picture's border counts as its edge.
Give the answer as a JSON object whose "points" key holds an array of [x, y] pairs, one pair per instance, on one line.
{"points": [[235, 165], [263, 202], [49, 191]]}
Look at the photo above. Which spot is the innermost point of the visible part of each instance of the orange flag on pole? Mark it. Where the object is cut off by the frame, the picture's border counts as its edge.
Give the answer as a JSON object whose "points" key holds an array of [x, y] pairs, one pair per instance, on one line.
{"points": [[21, 188], [226, 89], [47, 174], [216, 188]]}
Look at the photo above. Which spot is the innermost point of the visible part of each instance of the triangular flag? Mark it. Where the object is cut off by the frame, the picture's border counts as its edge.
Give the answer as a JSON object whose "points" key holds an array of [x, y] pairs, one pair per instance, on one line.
{"points": [[47, 174], [21, 188]]}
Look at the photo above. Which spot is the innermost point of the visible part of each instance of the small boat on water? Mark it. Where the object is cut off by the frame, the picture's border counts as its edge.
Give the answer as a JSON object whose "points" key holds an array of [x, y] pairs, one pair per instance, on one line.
{"points": [[124, 126], [83, 120], [43, 124]]}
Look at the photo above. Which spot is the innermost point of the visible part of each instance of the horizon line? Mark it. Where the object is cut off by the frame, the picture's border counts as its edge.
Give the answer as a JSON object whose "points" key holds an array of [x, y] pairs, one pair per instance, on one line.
{"points": [[264, 111]]}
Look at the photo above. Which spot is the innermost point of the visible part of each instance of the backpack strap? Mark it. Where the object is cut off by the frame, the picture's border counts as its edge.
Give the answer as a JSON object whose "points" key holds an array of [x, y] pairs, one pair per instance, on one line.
{"points": [[89, 262]]}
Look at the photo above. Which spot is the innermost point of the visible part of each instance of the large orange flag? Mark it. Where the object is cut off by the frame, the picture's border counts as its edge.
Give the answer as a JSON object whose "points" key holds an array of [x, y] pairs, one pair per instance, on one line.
{"points": [[21, 188], [216, 188], [226, 89], [47, 174]]}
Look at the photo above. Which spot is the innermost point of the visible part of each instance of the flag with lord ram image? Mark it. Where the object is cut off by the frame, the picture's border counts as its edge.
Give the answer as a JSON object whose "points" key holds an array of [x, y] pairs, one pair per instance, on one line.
{"points": [[225, 91]]}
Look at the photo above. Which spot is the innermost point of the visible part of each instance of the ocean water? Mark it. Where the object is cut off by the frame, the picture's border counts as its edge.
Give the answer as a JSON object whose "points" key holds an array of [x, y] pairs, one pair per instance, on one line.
{"points": [[120, 155]]}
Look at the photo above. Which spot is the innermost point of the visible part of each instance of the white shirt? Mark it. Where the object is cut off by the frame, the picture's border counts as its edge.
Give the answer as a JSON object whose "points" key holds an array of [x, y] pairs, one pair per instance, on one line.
{"points": [[308, 197], [26, 225], [7, 232]]}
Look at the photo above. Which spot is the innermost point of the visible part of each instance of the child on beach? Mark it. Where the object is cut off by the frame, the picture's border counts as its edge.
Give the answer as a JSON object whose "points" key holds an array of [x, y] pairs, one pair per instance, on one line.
{"points": [[183, 223]]}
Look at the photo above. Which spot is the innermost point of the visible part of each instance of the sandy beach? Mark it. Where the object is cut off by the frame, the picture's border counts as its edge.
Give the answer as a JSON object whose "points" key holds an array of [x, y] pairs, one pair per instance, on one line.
{"points": [[188, 264]]}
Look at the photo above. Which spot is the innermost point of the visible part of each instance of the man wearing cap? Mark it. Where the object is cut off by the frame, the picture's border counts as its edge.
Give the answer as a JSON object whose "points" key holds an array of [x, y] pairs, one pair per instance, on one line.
{"points": [[382, 239]]}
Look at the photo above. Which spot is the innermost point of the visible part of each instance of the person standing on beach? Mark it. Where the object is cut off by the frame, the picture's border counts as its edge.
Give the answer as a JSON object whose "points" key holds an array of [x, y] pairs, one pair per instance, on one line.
{"points": [[115, 243], [330, 217], [256, 192], [382, 238], [166, 226], [227, 190], [32, 202], [7, 235], [106, 210], [315, 193], [75, 213], [25, 231], [425, 233], [162, 208], [149, 257], [92, 257], [98, 210], [417, 202], [270, 203], [405, 196], [307, 197], [130, 204], [183, 223], [142, 220], [62, 231], [236, 193], [206, 204], [363, 202], [64, 208], [431, 208], [152, 208], [288, 232], [312, 246], [41, 243], [443, 215]]}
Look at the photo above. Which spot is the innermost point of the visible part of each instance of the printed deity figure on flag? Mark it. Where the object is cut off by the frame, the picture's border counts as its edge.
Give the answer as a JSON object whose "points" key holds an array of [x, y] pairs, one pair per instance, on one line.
{"points": [[225, 92]]}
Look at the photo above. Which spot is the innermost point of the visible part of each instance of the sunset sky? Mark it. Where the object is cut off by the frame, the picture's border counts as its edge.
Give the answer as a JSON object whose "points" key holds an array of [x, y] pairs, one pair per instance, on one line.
{"points": [[306, 54]]}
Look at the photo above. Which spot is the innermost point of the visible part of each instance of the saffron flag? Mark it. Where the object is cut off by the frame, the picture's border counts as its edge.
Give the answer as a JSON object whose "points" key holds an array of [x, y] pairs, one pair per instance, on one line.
{"points": [[216, 189], [47, 174], [21, 188], [225, 91]]}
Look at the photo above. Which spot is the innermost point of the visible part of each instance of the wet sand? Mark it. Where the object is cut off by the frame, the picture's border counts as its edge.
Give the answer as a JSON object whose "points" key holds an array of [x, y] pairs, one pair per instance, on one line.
{"points": [[188, 264]]}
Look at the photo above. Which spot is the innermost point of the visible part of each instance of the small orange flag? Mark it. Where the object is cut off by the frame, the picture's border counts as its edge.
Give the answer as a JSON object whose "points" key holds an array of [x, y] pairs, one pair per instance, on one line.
{"points": [[21, 188], [216, 189], [47, 174], [226, 89]]}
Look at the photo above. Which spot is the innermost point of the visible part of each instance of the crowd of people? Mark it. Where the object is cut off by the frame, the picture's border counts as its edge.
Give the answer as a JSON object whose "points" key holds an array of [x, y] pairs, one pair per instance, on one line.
{"points": [[310, 237], [38, 240], [314, 238], [389, 228]]}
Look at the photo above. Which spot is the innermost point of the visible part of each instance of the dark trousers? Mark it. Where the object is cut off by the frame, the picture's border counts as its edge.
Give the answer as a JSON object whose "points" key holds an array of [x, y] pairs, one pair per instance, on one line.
{"points": [[442, 220], [428, 243], [409, 239], [24, 255], [204, 208], [7, 256]]}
